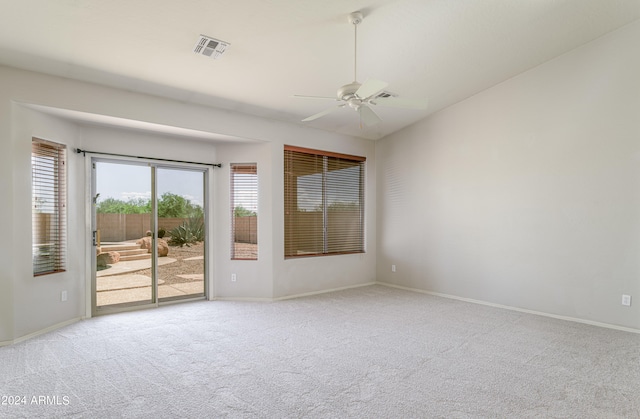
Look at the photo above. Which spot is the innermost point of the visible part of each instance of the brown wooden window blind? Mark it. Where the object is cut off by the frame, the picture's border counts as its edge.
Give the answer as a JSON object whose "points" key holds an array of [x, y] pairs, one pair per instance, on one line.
{"points": [[244, 211], [49, 201], [324, 203]]}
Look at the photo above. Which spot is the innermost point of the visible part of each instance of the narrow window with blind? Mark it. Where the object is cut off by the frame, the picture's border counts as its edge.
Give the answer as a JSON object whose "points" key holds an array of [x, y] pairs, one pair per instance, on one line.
{"points": [[244, 211], [48, 203], [324, 203]]}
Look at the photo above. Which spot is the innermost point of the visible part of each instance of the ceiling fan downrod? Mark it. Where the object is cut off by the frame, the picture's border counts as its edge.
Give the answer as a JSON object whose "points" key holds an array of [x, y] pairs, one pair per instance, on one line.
{"points": [[355, 18]]}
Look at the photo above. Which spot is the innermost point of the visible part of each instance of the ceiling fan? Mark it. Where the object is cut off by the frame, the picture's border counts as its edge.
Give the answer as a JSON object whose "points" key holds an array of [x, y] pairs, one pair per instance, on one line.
{"points": [[362, 96]]}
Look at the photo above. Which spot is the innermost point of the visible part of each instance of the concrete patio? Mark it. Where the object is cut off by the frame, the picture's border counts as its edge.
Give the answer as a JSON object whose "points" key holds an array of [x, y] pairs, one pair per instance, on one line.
{"points": [[120, 283]]}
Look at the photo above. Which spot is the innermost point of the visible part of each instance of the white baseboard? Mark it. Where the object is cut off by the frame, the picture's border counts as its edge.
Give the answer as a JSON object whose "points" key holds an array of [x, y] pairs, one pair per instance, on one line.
{"points": [[244, 299], [307, 294], [289, 297], [43, 331], [522, 310]]}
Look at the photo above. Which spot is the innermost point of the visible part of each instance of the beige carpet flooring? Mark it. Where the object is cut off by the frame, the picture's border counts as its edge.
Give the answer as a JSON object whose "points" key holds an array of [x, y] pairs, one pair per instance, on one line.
{"points": [[370, 352]]}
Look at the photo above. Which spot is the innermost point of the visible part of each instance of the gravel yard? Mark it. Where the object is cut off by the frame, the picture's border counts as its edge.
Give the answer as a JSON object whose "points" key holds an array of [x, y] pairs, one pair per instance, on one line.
{"points": [[169, 272]]}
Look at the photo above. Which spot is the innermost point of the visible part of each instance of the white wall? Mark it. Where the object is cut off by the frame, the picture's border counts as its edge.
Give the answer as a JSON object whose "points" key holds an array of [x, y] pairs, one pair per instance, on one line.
{"points": [[38, 298], [254, 278], [527, 194], [30, 305], [6, 216]]}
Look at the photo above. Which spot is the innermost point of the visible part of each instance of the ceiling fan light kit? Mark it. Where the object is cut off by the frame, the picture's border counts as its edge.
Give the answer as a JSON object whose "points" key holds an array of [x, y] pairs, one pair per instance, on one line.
{"points": [[361, 96]]}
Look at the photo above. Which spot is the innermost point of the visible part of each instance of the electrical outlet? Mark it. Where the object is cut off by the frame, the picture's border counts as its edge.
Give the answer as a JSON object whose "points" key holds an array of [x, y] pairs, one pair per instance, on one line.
{"points": [[393, 268], [233, 277], [626, 300], [63, 296]]}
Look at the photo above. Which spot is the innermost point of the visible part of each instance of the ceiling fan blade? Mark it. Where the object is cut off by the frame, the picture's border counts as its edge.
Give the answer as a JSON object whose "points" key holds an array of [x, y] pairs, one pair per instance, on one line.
{"points": [[368, 116], [370, 87], [400, 102], [323, 113], [315, 97]]}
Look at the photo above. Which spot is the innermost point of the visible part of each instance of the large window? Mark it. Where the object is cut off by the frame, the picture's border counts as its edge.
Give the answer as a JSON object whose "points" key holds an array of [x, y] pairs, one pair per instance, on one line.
{"points": [[48, 203], [244, 211], [324, 203]]}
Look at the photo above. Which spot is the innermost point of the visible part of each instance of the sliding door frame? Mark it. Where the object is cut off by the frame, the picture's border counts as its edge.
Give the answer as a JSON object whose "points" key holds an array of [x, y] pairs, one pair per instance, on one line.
{"points": [[90, 190]]}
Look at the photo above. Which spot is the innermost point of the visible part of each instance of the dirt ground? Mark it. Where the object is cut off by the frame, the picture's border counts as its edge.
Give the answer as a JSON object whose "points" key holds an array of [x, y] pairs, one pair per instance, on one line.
{"points": [[169, 272], [246, 251]]}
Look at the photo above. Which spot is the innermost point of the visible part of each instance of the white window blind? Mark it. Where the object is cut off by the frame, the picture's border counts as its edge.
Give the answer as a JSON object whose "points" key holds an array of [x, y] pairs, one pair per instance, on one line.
{"points": [[49, 200], [244, 211], [324, 202]]}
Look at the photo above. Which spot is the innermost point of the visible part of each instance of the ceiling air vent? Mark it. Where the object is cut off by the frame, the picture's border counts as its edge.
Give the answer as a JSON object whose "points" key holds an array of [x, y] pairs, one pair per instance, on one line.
{"points": [[385, 94], [210, 47]]}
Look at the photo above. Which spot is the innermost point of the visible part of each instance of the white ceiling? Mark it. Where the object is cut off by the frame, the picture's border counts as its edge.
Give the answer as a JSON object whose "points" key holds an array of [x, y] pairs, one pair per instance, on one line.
{"points": [[445, 50]]}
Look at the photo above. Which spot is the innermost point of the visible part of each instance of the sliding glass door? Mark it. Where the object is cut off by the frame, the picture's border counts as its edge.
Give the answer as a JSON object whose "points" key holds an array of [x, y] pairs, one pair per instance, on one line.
{"points": [[181, 224], [122, 214], [149, 234]]}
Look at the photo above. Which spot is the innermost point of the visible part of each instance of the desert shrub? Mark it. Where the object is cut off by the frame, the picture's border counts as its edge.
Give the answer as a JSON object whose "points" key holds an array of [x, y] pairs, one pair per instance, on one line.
{"points": [[181, 236], [191, 231], [161, 233], [196, 225]]}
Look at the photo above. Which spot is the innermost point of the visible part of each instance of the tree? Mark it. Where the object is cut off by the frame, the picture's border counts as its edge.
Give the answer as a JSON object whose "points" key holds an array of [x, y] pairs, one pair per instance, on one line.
{"points": [[118, 206], [169, 206], [175, 206], [338, 206], [241, 211]]}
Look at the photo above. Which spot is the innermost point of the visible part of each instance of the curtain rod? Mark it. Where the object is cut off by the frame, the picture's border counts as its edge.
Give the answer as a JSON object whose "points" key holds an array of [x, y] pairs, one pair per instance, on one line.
{"points": [[84, 153]]}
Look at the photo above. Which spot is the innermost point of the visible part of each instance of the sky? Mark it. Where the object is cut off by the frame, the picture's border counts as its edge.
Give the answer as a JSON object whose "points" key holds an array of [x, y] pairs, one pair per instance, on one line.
{"points": [[126, 181], [342, 187], [245, 191]]}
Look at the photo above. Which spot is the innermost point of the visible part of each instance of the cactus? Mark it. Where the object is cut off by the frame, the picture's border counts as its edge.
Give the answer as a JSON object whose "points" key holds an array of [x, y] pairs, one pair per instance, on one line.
{"points": [[191, 231]]}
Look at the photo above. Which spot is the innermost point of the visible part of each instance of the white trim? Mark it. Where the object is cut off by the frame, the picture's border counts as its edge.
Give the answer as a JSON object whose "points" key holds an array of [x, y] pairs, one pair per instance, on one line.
{"points": [[290, 297], [522, 310], [89, 248], [43, 331], [308, 294], [244, 299]]}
